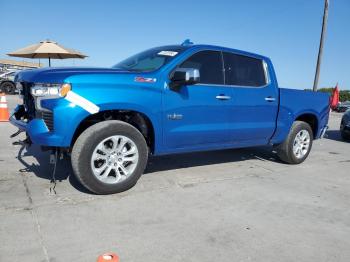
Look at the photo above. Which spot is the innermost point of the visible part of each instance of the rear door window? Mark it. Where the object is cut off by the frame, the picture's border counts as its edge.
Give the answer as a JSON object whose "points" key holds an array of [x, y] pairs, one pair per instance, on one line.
{"points": [[209, 64], [244, 70]]}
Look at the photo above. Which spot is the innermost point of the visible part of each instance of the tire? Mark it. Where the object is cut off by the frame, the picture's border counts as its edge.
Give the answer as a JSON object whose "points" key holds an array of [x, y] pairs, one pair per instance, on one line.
{"points": [[111, 133], [345, 136], [8, 87], [285, 150]]}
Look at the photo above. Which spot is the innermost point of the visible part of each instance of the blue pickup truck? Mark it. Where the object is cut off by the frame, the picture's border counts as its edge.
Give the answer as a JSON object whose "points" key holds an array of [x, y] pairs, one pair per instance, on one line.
{"points": [[165, 100]]}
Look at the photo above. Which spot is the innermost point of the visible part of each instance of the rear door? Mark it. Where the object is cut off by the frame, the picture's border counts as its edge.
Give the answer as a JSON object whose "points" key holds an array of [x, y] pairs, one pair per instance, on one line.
{"points": [[196, 116], [254, 99]]}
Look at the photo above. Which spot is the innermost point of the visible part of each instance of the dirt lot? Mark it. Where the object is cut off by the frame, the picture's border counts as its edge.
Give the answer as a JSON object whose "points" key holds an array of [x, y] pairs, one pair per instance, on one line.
{"points": [[231, 205]]}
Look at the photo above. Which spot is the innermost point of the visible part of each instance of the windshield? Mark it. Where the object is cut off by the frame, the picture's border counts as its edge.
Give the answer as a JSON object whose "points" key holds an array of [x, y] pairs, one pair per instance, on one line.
{"points": [[151, 59]]}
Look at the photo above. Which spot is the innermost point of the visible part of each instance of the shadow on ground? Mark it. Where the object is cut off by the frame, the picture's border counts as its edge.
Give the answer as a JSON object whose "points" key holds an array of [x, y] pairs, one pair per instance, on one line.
{"points": [[170, 162], [44, 169], [334, 135]]}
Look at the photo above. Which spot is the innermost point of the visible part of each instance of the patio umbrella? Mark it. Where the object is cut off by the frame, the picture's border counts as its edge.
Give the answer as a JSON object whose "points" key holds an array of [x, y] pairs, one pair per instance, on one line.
{"points": [[47, 49]]}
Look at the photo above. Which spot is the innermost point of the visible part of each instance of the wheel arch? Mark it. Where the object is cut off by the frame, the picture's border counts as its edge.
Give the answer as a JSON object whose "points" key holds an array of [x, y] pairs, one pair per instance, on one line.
{"points": [[138, 119], [311, 119], [7, 81]]}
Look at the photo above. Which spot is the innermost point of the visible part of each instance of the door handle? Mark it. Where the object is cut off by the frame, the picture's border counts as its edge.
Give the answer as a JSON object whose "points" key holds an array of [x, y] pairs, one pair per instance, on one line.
{"points": [[223, 97], [270, 99]]}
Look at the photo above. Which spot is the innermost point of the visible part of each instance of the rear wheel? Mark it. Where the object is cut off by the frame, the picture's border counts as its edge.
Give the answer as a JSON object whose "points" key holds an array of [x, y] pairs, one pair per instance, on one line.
{"points": [[8, 87], [296, 148], [109, 157]]}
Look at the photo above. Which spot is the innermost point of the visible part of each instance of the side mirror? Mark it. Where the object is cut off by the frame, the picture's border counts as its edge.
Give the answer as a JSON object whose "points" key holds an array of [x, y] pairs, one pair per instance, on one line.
{"points": [[184, 76]]}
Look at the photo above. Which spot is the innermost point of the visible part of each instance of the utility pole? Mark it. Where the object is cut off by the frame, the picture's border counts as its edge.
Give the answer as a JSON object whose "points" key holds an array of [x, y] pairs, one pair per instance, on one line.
{"points": [[320, 50]]}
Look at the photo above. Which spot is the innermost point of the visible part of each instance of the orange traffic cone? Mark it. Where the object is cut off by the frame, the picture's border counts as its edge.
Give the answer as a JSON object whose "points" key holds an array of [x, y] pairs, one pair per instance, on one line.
{"points": [[109, 257], [4, 112]]}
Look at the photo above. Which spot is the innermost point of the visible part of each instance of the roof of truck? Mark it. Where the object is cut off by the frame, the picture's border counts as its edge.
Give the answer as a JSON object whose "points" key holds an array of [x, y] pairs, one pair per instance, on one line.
{"points": [[222, 48], [214, 47]]}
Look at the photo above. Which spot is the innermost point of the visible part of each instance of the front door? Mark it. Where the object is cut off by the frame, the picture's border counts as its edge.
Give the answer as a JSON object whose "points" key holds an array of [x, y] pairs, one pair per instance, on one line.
{"points": [[196, 116]]}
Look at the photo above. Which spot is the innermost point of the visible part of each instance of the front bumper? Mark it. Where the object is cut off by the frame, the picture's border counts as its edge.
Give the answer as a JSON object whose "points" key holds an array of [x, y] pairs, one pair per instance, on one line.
{"points": [[21, 125], [55, 132], [36, 129]]}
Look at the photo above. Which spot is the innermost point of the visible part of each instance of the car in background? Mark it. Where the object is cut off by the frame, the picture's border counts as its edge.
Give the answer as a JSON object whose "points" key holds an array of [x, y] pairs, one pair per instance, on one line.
{"points": [[7, 83], [342, 107], [345, 126]]}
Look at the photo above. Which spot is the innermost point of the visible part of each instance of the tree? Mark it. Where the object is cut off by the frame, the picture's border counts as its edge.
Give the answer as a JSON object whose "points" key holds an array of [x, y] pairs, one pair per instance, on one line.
{"points": [[344, 95]]}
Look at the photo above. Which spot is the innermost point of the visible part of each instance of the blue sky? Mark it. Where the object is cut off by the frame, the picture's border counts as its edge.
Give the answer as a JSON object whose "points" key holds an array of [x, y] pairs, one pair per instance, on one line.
{"points": [[108, 31]]}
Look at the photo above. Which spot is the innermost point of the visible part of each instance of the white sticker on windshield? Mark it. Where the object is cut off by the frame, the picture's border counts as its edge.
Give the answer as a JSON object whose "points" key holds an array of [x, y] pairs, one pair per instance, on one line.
{"points": [[168, 53]]}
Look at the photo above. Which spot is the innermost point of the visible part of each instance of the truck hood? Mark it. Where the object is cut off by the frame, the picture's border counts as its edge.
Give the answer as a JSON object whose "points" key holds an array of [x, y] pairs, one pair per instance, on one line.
{"points": [[59, 74]]}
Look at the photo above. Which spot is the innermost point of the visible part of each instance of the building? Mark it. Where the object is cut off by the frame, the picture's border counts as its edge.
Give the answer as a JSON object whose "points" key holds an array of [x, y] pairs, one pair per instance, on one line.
{"points": [[7, 64]]}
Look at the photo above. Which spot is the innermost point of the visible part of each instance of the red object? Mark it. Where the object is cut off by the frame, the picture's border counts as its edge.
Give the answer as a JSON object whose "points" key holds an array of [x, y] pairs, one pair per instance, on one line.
{"points": [[335, 97], [4, 112], [110, 257]]}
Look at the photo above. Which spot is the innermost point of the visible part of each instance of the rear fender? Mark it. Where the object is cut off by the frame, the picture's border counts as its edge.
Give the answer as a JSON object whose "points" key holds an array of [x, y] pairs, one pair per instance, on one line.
{"points": [[293, 104], [287, 117]]}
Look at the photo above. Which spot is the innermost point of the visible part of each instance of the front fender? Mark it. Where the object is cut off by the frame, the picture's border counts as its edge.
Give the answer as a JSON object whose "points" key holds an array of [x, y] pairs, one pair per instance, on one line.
{"points": [[68, 116], [117, 92], [152, 116]]}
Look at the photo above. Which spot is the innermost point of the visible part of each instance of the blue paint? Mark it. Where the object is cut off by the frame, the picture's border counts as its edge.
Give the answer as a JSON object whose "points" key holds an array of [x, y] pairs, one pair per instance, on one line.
{"points": [[247, 119]]}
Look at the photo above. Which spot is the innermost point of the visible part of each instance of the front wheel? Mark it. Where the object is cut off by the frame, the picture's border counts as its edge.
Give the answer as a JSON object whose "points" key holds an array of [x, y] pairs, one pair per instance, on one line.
{"points": [[296, 148], [8, 87], [109, 157]]}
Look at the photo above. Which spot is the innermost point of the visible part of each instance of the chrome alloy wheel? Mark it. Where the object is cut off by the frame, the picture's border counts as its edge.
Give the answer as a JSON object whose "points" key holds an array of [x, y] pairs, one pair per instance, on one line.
{"points": [[301, 143], [114, 159]]}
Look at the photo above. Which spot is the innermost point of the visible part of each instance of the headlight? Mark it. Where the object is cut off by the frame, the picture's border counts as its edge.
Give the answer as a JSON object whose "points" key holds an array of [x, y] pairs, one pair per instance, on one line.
{"points": [[50, 90]]}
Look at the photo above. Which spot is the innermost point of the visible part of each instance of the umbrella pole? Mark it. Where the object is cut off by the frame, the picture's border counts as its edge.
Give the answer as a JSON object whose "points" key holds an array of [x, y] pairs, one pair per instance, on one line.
{"points": [[49, 61]]}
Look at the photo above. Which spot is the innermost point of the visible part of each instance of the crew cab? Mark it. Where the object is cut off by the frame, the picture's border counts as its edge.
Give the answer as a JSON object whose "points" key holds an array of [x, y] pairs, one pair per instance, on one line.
{"points": [[165, 100]]}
